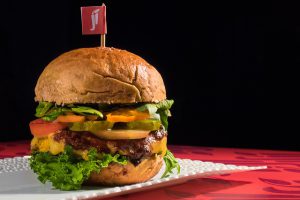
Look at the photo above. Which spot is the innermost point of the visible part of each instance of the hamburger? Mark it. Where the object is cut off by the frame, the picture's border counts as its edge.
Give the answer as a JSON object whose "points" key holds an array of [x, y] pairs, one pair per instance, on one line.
{"points": [[102, 119]]}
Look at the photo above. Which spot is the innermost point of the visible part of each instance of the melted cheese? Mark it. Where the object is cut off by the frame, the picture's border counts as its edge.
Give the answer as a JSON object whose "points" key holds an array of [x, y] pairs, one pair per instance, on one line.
{"points": [[48, 144], [160, 146]]}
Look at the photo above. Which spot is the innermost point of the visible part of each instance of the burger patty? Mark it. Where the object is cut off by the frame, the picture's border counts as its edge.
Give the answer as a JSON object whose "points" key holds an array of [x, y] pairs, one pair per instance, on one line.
{"points": [[134, 149]]}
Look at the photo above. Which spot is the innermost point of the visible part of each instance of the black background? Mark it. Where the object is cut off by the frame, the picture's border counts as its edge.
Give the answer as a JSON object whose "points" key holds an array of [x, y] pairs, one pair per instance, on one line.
{"points": [[228, 66]]}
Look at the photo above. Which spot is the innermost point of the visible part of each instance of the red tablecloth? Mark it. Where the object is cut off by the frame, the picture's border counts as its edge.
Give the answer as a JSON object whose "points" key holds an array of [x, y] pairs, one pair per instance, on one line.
{"points": [[280, 181]]}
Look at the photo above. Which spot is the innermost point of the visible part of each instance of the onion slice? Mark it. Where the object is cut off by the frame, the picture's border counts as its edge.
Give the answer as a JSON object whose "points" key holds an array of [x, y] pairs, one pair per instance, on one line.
{"points": [[121, 134]]}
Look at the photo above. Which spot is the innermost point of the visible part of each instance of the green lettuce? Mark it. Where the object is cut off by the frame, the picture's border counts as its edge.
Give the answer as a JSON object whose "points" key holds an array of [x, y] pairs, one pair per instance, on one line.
{"points": [[87, 110], [49, 112], [42, 108], [159, 110], [54, 112], [66, 171], [171, 163]]}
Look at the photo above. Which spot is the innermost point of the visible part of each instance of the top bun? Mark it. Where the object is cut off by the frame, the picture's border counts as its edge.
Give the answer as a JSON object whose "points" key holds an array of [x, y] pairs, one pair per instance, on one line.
{"points": [[99, 75]]}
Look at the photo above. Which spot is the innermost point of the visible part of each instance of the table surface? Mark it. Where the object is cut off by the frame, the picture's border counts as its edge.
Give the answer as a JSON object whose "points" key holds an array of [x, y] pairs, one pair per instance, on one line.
{"points": [[280, 181]]}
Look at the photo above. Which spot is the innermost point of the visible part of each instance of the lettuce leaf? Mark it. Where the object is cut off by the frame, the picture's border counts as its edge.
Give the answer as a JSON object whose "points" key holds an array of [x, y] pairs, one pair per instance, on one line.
{"points": [[66, 171], [171, 163], [42, 108], [87, 110], [54, 112], [49, 112], [154, 107], [162, 109]]}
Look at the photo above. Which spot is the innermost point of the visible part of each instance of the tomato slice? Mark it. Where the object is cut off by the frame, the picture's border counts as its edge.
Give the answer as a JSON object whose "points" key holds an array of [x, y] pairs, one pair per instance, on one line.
{"points": [[70, 118], [119, 118], [42, 128], [126, 115], [91, 117]]}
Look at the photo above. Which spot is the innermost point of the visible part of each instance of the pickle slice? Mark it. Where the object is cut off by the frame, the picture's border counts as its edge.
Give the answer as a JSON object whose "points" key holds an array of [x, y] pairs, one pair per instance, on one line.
{"points": [[147, 124], [94, 126], [91, 126]]}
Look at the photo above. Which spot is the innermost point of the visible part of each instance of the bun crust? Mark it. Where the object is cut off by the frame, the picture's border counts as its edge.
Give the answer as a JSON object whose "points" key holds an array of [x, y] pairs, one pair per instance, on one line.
{"points": [[117, 174], [99, 75]]}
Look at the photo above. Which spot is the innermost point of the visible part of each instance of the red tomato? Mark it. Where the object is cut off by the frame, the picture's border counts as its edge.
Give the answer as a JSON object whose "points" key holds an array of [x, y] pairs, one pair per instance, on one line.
{"points": [[41, 128]]}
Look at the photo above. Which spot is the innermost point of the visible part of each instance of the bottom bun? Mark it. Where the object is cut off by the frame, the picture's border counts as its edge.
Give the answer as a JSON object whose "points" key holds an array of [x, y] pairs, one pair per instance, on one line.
{"points": [[117, 174]]}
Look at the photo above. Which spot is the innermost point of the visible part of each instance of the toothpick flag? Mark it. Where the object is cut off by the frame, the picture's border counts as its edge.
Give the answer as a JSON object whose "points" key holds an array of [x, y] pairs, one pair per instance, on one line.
{"points": [[93, 20]]}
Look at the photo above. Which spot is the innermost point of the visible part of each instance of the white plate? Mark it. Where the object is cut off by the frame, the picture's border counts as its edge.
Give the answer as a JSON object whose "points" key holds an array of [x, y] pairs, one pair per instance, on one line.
{"points": [[17, 181]]}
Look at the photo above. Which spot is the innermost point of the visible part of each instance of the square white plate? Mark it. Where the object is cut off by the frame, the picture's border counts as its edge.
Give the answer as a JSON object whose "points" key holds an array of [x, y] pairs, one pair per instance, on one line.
{"points": [[17, 181]]}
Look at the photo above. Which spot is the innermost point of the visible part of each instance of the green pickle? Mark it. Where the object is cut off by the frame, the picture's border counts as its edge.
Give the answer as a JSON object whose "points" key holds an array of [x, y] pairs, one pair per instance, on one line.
{"points": [[91, 126], [147, 124], [94, 126]]}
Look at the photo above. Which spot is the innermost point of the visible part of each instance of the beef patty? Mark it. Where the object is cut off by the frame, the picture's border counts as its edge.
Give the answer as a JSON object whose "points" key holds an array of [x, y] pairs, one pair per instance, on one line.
{"points": [[134, 149]]}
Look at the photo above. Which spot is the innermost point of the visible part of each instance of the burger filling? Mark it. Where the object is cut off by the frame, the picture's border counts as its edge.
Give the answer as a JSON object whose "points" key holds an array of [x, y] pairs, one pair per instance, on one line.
{"points": [[71, 141], [135, 150]]}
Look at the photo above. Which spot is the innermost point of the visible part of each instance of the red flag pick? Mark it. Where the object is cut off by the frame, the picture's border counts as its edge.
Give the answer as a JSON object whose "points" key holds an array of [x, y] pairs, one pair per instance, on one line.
{"points": [[93, 20]]}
